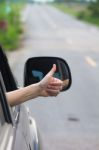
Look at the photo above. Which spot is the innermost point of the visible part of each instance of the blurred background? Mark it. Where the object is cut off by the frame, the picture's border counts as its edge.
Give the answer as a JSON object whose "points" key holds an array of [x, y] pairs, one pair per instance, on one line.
{"points": [[11, 21], [67, 29]]}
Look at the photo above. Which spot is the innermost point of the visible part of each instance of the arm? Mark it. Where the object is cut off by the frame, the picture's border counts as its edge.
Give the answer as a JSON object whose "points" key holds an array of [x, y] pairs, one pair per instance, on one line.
{"points": [[23, 94], [48, 86]]}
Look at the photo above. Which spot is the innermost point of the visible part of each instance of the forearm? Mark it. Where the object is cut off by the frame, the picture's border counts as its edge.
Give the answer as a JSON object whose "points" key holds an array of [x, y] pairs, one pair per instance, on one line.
{"points": [[24, 94]]}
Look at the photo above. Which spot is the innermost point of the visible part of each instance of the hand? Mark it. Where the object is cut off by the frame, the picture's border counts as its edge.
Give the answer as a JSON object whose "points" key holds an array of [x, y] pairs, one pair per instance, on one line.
{"points": [[49, 85]]}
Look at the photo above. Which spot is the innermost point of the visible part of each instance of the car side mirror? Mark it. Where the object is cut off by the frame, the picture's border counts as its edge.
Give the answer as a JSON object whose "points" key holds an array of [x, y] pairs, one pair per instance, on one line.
{"points": [[37, 67]]}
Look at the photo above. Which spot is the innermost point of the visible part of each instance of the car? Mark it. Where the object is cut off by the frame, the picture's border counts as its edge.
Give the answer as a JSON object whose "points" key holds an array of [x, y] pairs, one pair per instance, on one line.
{"points": [[18, 129]]}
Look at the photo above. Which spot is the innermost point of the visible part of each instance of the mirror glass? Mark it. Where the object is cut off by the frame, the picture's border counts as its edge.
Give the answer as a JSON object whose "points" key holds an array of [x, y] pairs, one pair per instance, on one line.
{"points": [[37, 68]]}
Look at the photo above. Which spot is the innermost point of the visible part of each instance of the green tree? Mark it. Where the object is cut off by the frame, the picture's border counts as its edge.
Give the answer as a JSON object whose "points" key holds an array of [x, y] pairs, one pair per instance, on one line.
{"points": [[94, 8]]}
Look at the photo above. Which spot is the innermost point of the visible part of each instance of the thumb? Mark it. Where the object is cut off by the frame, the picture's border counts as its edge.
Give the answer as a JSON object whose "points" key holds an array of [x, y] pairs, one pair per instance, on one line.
{"points": [[52, 71]]}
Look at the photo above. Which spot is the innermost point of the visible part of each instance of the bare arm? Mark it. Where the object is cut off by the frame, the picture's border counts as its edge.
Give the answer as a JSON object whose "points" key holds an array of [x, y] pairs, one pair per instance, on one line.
{"points": [[23, 94], [48, 86]]}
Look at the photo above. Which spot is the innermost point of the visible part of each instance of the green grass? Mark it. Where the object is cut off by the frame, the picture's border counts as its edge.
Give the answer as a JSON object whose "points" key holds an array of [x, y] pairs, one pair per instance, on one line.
{"points": [[80, 12], [10, 36], [88, 17], [66, 9]]}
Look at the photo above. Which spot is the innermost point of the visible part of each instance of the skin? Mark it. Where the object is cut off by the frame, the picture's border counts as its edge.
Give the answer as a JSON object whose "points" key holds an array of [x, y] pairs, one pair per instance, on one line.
{"points": [[48, 86], [65, 83]]}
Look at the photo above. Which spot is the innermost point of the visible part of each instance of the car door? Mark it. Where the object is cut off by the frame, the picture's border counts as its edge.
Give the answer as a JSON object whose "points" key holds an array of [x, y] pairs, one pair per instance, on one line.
{"points": [[20, 121], [11, 135]]}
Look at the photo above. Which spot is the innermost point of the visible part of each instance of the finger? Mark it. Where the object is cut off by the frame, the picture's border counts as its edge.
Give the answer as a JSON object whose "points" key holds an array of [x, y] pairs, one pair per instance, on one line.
{"points": [[55, 80], [56, 84], [53, 92], [54, 87], [52, 71]]}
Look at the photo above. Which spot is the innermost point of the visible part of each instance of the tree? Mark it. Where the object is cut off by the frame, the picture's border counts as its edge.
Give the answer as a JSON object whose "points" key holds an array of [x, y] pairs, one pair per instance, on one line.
{"points": [[94, 8]]}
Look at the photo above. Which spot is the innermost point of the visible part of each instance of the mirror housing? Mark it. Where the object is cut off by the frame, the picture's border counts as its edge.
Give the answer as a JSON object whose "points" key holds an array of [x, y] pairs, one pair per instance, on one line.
{"points": [[37, 67]]}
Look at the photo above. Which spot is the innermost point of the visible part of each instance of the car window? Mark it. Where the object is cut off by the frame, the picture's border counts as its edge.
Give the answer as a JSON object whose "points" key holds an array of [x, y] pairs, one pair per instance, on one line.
{"points": [[7, 75]]}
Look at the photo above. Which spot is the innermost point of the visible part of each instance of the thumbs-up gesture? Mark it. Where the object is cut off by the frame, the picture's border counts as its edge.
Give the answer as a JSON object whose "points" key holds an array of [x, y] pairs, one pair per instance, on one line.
{"points": [[49, 85]]}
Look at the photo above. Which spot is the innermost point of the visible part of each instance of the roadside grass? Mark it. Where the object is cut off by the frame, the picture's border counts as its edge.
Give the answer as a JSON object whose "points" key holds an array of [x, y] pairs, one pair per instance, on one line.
{"points": [[10, 25], [79, 11], [88, 17], [66, 9]]}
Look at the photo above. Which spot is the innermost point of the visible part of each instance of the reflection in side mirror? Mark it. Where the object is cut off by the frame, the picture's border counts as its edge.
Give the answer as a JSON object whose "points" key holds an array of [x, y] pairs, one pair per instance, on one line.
{"points": [[37, 67]]}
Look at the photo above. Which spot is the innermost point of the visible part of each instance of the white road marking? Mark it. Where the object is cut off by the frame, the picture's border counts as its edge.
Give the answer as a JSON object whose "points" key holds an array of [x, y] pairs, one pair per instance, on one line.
{"points": [[90, 61]]}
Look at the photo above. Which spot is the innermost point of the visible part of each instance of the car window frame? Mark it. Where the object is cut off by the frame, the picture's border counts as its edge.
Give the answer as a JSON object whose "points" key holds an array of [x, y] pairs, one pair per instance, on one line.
{"points": [[4, 103], [2, 118]]}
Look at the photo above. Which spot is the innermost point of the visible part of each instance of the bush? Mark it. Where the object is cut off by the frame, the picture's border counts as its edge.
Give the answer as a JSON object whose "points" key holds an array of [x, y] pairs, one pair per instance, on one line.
{"points": [[94, 8], [9, 38], [10, 28], [91, 14], [81, 15]]}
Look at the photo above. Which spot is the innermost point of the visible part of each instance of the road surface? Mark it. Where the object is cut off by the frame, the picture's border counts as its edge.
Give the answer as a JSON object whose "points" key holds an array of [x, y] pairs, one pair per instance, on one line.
{"points": [[70, 121]]}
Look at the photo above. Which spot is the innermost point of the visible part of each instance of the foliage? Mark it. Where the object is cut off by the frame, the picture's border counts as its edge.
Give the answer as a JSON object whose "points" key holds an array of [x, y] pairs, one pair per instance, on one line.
{"points": [[88, 13], [94, 8], [91, 14], [10, 26], [75, 9]]}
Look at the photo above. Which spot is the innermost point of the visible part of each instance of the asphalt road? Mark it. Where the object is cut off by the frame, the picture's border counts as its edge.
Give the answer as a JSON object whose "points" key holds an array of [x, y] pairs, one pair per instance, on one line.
{"points": [[70, 121]]}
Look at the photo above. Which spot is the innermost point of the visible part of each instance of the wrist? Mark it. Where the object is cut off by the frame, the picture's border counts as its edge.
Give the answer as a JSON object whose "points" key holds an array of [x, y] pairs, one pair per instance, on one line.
{"points": [[40, 88], [34, 90]]}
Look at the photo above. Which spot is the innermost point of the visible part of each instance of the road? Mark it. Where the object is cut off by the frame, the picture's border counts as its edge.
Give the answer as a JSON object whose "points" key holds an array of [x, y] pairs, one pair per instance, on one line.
{"points": [[70, 121]]}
